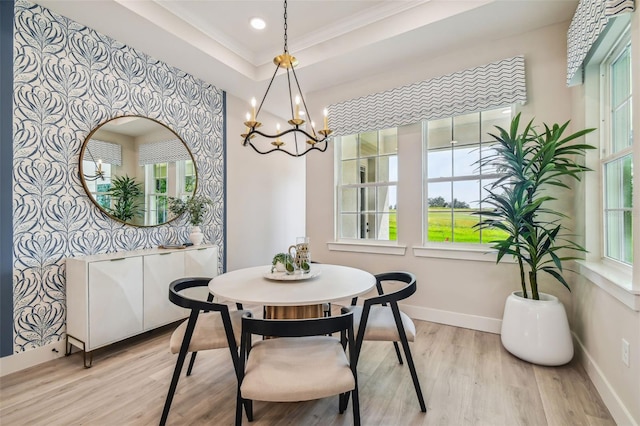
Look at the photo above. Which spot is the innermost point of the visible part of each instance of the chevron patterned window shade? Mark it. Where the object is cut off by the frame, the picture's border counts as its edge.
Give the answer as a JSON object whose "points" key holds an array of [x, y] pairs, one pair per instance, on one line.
{"points": [[108, 152], [163, 152], [475, 89], [588, 23]]}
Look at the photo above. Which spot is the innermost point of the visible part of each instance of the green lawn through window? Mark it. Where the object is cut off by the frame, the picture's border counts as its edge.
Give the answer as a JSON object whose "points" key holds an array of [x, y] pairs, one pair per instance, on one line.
{"points": [[439, 226]]}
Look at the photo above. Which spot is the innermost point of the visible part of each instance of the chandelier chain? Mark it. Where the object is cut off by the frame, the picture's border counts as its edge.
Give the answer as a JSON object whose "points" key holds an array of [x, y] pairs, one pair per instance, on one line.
{"points": [[285, 26]]}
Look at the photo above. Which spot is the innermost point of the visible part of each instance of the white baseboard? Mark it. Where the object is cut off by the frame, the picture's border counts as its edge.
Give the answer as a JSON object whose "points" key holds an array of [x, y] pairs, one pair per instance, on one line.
{"points": [[616, 407], [474, 322], [23, 360]]}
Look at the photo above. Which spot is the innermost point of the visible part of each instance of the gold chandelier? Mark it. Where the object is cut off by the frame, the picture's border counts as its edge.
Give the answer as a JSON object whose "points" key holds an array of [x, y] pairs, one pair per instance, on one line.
{"points": [[299, 141]]}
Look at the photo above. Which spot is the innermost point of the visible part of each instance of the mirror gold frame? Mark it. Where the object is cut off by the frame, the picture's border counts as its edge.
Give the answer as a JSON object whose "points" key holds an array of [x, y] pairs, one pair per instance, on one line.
{"points": [[129, 167]]}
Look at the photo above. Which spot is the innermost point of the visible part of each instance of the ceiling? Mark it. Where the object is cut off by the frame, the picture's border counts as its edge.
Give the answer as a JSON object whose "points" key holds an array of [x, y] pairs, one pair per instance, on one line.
{"points": [[335, 41]]}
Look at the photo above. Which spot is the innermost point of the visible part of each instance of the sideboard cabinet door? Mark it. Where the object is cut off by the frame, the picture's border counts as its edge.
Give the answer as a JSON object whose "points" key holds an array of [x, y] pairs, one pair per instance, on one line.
{"points": [[159, 271], [115, 300], [202, 262]]}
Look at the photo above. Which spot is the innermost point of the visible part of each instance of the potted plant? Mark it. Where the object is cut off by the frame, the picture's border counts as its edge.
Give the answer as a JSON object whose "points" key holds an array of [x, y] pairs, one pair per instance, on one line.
{"points": [[282, 262], [534, 325], [125, 194], [195, 206]]}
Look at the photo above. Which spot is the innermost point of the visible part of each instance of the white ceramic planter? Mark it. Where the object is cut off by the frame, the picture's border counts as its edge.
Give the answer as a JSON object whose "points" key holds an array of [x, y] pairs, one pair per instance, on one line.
{"points": [[537, 331], [196, 236]]}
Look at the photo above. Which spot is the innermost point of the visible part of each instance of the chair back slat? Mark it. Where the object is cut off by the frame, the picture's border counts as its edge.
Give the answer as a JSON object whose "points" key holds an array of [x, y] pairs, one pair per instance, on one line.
{"points": [[297, 327], [393, 296], [182, 300]]}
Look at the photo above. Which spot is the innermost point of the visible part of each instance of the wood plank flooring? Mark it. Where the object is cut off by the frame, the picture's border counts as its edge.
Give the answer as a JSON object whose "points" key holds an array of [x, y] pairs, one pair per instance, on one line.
{"points": [[467, 379]]}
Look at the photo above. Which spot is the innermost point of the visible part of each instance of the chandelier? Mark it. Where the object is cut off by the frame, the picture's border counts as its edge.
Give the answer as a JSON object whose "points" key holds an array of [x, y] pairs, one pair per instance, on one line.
{"points": [[295, 140], [99, 173]]}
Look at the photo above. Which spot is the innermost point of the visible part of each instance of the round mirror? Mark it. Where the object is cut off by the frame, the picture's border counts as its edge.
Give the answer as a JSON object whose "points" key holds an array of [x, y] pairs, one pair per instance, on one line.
{"points": [[131, 165]]}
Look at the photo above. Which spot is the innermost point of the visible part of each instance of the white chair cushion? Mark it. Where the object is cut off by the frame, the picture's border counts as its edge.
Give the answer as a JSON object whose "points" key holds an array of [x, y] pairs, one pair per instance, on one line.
{"points": [[209, 332], [381, 325], [290, 369]]}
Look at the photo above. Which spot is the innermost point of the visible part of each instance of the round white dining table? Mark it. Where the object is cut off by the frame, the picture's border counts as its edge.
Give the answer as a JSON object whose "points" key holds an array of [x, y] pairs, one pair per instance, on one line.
{"points": [[328, 283]]}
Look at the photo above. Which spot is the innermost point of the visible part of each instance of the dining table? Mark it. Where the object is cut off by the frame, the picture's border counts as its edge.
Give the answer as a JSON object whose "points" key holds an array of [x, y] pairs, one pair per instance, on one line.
{"points": [[288, 296]]}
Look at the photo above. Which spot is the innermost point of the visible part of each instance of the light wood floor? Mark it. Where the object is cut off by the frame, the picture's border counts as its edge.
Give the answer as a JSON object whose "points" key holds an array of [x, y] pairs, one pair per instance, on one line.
{"points": [[467, 379]]}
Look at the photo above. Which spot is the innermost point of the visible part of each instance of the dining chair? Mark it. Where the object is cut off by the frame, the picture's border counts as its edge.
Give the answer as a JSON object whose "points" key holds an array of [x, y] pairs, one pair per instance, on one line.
{"points": [[300, 361], [209, 326], [380, 319]]}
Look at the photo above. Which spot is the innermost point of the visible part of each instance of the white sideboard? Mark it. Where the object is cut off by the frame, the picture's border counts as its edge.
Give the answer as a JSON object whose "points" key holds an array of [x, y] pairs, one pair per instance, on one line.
{"points": [[111, 297]]}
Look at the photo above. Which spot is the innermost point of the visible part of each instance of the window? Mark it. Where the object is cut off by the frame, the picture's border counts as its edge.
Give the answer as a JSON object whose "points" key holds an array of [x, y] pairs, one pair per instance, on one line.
{"points": [[186, 177], [157, 192], [617, 150], [163, 180], [454, 180], [367, 185]]}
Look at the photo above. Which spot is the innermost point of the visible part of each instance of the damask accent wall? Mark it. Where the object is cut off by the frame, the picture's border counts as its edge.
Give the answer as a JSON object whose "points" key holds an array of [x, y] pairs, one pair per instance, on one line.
{"points": [[68, 79]]}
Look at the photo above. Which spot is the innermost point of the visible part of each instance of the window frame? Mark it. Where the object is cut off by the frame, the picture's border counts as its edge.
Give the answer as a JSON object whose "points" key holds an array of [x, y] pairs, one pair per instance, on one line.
{"points": [[448, 246], [375, 185], [621, 281], [621, 44], [151, 196]]}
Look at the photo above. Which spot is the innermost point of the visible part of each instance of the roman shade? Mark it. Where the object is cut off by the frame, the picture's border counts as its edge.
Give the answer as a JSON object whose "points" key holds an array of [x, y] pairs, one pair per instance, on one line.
{"points": [[109, 153], [488, 86], [588, 23], [163, 152]]}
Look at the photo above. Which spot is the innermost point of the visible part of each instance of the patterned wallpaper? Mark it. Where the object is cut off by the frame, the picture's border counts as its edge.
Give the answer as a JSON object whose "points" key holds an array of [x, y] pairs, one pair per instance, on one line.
{"points": [[69, 79]]}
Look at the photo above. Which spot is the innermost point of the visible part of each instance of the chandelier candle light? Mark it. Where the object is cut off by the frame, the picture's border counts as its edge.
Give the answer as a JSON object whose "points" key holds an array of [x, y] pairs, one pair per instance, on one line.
{"points": [[309, 141], [99, 174]]}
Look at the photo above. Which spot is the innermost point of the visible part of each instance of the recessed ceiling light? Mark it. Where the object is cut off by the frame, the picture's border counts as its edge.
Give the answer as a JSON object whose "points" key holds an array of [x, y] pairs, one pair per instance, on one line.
{"points": [[258, 23]]}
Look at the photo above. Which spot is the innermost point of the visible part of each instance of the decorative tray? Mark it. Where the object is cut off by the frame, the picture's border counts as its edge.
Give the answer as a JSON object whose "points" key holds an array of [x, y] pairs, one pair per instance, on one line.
{"points": [[282, 276], [172, 246]]}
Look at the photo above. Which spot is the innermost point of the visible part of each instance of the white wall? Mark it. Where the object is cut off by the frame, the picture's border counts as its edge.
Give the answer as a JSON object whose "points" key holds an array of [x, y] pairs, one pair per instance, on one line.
{"points": [[465, 293], [600, 323], [265, 196]]}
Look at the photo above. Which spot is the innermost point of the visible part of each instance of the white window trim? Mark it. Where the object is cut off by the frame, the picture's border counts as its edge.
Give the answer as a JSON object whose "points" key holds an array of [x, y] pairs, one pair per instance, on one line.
{"points": [[606, 157], [614, 278], [460, 251], [368, 246], [359, 245], [617, 281]]}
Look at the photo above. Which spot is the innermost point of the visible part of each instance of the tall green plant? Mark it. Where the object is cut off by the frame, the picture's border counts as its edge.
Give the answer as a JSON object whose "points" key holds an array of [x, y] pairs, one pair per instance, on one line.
{"points": [[125, 193], [531, 163]]}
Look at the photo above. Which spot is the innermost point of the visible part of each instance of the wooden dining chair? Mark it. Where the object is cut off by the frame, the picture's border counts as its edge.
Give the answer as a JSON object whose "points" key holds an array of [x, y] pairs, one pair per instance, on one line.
{"points": [[380, 319], [210, 326], [303, 363]]}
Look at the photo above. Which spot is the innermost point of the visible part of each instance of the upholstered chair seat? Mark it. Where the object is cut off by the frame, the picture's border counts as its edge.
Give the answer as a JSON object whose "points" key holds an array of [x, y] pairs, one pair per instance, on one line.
{"points": [[269, 375], [381, 325], [209, 332]]}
